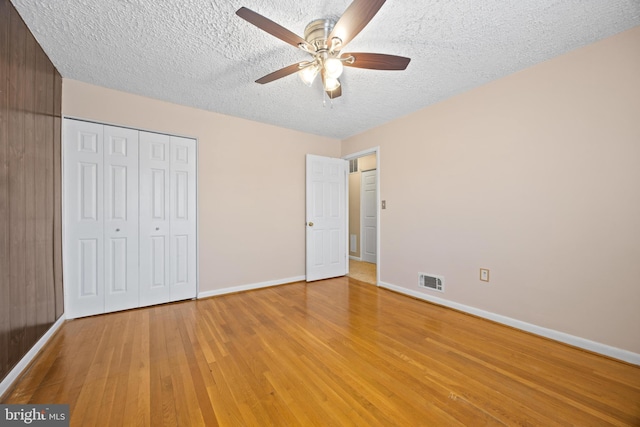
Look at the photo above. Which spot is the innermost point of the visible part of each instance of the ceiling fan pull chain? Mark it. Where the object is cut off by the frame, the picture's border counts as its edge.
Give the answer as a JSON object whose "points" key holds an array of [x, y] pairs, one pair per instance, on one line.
{"points": [[324, 100]]}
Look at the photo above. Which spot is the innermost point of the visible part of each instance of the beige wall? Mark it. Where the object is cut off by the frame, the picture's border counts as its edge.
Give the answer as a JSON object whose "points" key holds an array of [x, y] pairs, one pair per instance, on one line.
{"points": [[535, 176], [365, 163], [251, 182]]}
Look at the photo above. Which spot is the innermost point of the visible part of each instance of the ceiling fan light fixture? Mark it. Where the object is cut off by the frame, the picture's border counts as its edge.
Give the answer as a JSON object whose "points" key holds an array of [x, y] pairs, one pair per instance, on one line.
{"points": [[331, 84], [324, 40], [308, 74], [333, 68]]}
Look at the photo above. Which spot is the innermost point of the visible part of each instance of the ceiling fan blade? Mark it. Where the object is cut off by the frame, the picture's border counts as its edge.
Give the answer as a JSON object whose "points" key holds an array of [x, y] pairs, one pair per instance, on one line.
{"points": [[335, 93], [354, 19], [283, 72], [377, 61], [270, 27]]}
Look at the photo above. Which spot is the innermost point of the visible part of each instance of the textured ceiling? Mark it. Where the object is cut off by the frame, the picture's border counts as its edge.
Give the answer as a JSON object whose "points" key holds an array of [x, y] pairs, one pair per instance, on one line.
{"points": [[199, 53]]}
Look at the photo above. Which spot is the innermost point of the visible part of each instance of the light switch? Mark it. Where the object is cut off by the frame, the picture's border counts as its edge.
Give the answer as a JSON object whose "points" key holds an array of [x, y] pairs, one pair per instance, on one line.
{"points": [[484, 274], [384, 204]]}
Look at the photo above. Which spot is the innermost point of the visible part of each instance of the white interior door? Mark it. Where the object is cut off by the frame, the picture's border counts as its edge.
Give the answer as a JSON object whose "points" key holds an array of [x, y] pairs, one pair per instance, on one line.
{"points": [[327, 220], [183, 219], [120, 218], [155, 233], [369, 216], [84, 233]]}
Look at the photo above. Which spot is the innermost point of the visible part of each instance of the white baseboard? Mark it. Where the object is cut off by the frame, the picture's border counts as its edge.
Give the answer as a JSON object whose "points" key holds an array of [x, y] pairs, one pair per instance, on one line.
{"points": [[250, 287], [583, 343], [13, 375], [355, 258]]}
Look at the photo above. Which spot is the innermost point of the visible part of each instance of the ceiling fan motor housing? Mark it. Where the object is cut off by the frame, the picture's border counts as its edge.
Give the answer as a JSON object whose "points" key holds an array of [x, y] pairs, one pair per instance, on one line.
{"points": [[317, 33]]}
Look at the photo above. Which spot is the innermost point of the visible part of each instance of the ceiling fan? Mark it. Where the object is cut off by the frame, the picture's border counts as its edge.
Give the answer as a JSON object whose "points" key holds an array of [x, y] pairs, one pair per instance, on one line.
{"points": [[324, 40]]}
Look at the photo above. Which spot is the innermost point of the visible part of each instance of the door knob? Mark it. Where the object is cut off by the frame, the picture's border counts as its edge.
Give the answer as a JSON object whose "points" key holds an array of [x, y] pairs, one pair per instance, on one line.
{"points": [[157, 228], [117, 229], [310, 224]]}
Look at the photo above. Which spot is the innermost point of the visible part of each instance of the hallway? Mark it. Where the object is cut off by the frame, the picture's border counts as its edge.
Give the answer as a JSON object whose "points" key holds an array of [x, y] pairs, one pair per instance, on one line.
{"points": [[362, 271]]}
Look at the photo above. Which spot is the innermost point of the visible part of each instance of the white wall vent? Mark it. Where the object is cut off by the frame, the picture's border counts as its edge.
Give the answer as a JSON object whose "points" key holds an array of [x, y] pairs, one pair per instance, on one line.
{"points": [[430, 281], [353, 165]]}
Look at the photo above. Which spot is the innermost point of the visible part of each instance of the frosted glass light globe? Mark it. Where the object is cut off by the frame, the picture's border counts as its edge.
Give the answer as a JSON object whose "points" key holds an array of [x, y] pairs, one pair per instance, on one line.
{"points": [[331, 84], [333, 68], [308, 74]]}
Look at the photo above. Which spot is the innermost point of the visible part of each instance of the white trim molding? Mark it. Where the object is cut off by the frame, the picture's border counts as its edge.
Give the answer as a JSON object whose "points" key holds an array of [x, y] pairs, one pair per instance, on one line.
{"points": [[13, 375], [596, 347], [366, 152], [250, 287]]}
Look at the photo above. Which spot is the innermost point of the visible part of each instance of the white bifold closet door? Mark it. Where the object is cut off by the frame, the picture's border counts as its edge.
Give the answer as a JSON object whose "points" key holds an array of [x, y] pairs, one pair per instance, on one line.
{"points": [[130, 218], [101, 218], [183, 219], [120, 218], [167, 218]]}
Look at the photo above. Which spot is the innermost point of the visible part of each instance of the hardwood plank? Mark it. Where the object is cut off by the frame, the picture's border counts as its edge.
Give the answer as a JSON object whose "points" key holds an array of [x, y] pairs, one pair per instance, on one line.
{"points": [[364, 271], [337, 352], [93, 387], [191, 348], [5, 297], [78, 361], [161, 386], [138, 406]]}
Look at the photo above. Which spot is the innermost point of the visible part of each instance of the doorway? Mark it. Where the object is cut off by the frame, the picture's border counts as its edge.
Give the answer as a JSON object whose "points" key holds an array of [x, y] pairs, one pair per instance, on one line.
{"points": [[364, 224]]}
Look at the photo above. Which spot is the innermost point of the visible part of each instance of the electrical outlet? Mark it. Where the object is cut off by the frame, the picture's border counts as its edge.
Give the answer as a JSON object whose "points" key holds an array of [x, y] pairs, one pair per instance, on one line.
{"points": [[484, 274]]}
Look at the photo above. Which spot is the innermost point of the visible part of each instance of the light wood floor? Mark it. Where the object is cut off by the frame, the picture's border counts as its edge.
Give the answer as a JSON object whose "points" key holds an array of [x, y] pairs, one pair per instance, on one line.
{"points": [[329, 353], [362, 271]]}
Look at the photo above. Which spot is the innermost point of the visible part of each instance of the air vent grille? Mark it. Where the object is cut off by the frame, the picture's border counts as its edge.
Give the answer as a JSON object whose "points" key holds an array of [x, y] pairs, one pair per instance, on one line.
{"points": [[430, 281], [353, 165]]}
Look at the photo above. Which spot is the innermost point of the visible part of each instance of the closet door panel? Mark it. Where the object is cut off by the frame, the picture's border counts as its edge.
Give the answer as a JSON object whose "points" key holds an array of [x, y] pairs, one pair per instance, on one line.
{"points": [[155, 233], [183, 218], [121, 218], [84, 237]]}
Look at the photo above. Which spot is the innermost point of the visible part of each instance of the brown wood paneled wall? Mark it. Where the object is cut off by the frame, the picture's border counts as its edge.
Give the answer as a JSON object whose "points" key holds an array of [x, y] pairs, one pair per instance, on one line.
{"points": [[31, 294]]}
